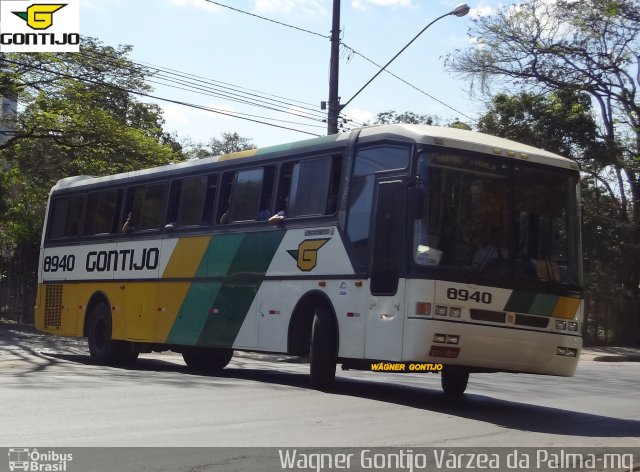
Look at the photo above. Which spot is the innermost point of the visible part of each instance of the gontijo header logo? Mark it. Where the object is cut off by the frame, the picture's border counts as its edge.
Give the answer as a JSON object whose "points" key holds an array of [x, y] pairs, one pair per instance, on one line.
{"points": [[39, 16], [27, 26]]}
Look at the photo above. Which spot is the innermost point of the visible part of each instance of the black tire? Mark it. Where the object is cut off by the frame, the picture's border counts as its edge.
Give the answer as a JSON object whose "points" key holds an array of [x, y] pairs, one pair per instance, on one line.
{"points": [[322, 352], [103, 349], [454, 381], [212, 359]]}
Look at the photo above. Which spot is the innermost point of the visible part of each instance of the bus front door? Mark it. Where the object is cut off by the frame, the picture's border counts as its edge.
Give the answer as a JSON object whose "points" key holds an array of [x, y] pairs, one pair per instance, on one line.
{"points": [[385, 320]]}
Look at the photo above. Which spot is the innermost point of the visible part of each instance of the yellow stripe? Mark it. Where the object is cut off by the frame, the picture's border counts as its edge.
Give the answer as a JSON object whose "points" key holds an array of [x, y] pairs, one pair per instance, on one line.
{"points": [[238, 155], [186, 257], [566, 307], [169, 297]]}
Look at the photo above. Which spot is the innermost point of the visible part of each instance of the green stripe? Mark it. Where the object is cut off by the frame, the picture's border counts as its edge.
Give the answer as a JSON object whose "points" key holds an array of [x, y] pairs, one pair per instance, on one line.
{"points": [[520, 301], [544, 304], [531, 303], [242, 260], [240, 287]]}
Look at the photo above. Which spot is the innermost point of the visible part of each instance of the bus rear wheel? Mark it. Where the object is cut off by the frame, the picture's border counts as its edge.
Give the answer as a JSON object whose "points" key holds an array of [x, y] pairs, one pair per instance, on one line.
{"points": [[322, 351], [454, 381], [212, 359], [103, 349]]}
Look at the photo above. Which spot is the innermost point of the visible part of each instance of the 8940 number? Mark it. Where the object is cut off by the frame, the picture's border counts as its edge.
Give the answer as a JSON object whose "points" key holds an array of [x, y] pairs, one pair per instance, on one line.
{"points": [[465, 295], [56, 263]]}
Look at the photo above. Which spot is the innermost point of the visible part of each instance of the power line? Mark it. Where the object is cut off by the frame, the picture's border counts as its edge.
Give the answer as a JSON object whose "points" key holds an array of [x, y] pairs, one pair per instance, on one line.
{"points": [[408, 83], [178, 102], [175, 81], [210, 87], [350, 49], [268, 19]]}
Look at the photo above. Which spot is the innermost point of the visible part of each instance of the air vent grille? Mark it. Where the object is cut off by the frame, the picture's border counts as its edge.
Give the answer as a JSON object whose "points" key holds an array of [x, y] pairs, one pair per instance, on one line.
{"points": [[53, 306]]}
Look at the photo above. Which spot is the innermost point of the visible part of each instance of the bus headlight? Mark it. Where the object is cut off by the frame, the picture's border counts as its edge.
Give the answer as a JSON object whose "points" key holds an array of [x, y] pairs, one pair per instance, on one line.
{"points": [[441, 310], [561, 324], [572, 326], [439, 338]]}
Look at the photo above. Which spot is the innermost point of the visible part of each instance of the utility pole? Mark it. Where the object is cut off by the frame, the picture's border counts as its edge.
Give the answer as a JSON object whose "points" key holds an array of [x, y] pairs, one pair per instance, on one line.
{"points": [[334, 101]]}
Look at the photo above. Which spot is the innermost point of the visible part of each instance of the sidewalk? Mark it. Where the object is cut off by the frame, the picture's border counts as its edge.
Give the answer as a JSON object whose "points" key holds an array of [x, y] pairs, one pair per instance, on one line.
{"points": [[610, 354]]}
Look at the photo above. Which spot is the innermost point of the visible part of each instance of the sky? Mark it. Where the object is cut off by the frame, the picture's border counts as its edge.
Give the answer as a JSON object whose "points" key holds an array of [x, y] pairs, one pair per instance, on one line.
{"points": [[267, 61]]}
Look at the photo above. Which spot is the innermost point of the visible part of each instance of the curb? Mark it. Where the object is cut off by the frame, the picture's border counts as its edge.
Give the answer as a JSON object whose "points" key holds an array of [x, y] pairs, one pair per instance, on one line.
{"points": [[614, 358]]}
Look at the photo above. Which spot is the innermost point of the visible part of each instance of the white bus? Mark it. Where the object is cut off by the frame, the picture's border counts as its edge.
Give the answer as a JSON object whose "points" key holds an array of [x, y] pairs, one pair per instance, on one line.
{"points": [[397, 243]]}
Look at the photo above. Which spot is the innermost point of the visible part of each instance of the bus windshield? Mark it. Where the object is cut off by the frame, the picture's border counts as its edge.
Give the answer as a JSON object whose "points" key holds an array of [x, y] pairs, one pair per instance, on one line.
{"points": [[496, 218]]}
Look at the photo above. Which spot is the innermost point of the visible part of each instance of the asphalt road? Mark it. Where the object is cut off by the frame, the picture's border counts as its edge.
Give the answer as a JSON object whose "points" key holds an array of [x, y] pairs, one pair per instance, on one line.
{"points": [[51, 395]]}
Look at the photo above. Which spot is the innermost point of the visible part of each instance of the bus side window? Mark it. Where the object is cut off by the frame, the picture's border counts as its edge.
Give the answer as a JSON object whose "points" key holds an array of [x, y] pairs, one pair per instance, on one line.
{"points": [[266, 195], [369, 162], [146, 205], [310, 187], [334, 185], [252, 194], [209, 200], [65, 217], [281, 207], [103, 209], [174, 204], [224, 201], [191, 203]]}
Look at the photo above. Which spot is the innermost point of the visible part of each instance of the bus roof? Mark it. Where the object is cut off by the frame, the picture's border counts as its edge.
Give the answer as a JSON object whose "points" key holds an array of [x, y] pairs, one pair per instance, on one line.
{"points": [[471, 141], [421, 134]]}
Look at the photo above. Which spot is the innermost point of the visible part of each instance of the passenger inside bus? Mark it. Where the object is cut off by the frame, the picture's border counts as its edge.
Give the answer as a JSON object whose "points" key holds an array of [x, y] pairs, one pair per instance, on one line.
{"points": [[224, 219], [280, 215], [128, 226]]}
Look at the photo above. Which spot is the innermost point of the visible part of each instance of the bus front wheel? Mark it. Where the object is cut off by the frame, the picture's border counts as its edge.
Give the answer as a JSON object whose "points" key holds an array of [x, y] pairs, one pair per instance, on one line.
{"points": [[103, 349], [322, 351], [454, 381]]}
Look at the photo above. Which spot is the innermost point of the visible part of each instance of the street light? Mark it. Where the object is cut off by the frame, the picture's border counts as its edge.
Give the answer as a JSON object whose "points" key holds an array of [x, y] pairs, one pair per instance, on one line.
{"points": [[332, 128]]}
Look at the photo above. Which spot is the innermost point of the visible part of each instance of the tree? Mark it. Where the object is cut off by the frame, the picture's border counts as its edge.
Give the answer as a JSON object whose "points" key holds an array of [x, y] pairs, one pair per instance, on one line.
{"points": [[589, 46], [79, 115], [411, 118], [562, 122], [228, 143], [408, 117]]}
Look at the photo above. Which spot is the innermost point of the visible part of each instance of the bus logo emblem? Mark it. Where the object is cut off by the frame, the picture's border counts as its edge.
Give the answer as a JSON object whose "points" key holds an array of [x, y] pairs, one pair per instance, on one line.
{"points": [[307, 253], [39, 16]]}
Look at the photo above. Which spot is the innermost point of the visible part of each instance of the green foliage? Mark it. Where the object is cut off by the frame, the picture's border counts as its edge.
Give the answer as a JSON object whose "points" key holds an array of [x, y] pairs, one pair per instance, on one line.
{"points": [[411, 118], [79, 115], [563, 122], [408, 117], [587, 47], [228, 143], [560, 122]]}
